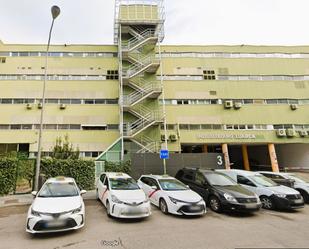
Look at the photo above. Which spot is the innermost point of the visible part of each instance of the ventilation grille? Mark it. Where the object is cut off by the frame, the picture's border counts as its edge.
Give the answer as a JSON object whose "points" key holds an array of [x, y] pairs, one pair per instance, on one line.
{"points": [[223, 71], [300, 84]]}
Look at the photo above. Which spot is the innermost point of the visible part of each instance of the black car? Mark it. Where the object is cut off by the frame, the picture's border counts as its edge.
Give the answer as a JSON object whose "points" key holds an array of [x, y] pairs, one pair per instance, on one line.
{"points": [[220, 192]]}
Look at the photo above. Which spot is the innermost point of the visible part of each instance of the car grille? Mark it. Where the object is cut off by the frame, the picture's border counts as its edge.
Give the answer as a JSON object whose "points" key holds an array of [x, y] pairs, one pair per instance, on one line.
{"points": [[293, 197], [247, 200], [133, 204], [191, 209], [41, 225]]}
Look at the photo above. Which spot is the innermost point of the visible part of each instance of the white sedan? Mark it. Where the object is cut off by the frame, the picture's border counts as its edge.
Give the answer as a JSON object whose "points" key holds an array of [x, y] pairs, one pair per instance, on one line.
{"points": [[121, 196], [57, 207], [171, 195]]}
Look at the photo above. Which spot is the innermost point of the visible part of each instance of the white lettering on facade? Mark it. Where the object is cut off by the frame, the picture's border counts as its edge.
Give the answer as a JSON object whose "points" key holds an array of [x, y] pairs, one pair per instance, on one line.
{"points": [[226, 136]]}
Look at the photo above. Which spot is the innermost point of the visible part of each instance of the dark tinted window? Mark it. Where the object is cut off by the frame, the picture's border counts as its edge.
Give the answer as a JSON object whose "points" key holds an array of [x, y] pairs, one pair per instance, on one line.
{"points": [[102, 177], [244, 180], [188, 175], [200, 178], [145, 180]]}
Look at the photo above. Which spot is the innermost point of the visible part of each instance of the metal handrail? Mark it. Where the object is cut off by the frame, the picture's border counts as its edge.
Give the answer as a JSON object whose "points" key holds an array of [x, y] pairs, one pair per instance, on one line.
{"points": [[134, 41]]}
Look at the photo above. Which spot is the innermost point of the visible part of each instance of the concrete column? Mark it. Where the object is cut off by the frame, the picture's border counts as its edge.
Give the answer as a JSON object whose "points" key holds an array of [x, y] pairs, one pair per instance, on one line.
{"points": [[245, 157], [205, 148], [225, 151], [273, 157]]}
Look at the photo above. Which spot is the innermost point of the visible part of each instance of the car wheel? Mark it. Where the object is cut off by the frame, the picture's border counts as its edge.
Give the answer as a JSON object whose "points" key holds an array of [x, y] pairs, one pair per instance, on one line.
{"points": [[108, 209], [267, 202], [304, 194], [215, 204], [163, 206]]}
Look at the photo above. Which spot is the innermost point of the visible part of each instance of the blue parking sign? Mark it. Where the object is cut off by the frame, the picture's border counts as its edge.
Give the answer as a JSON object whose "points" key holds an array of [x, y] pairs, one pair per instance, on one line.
{"points": [[164, 154]]}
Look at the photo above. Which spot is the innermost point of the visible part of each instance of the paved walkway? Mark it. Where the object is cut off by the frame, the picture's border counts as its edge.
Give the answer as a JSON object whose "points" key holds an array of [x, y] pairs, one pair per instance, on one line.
{"points": [[26, 199]]}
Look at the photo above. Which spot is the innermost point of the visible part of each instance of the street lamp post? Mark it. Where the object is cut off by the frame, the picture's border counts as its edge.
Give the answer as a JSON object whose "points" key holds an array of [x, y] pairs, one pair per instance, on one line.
{"points": [[55, 11]]}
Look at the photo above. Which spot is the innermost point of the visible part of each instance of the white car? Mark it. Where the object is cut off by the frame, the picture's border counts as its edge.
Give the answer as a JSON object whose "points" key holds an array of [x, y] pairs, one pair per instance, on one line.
{"points": [[301, 184], [121, 196], [171, 195], [57, 207], [272, 195]]}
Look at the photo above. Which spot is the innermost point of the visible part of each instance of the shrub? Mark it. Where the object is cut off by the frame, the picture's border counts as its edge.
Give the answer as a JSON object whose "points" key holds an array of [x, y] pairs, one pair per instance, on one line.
{"points": [[8, 174], [82, 171], [124, 167]]}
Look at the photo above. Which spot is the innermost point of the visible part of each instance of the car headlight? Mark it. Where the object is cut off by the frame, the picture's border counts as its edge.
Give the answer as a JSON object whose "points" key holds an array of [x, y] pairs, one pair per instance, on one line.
{"points": [[173, 200], [116, 200], [281, 195], [229, 197], [35, 213], [77, 210]]}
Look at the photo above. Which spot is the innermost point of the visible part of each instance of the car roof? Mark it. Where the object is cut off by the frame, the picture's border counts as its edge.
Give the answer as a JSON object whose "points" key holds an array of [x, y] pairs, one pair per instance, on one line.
{"points": [[159, 177], [116, 175], [269, 172], [239, 171], [58, 179]]}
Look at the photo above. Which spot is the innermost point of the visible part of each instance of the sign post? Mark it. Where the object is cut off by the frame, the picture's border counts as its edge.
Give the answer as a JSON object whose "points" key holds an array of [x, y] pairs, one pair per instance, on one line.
{"points": [[164, 154]]}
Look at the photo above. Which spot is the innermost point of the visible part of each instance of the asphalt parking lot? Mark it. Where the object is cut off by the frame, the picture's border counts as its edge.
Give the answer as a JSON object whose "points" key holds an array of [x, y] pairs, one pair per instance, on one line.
{"points": [[266, 229]]}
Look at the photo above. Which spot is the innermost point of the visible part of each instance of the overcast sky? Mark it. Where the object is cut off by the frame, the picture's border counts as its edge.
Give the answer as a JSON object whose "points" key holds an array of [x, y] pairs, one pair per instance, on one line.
{"points": [[261, 22]]}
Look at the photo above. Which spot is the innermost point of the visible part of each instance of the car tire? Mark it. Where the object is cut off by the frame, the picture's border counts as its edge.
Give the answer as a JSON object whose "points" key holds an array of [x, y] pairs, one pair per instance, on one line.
{"points": [[304, 194], [267, 203], [163, 206], [215, 204], [108, 209]]}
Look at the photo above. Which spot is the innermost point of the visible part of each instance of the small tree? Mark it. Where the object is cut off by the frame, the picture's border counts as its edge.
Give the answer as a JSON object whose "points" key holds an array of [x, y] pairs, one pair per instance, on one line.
{"points": [[63, 149]]}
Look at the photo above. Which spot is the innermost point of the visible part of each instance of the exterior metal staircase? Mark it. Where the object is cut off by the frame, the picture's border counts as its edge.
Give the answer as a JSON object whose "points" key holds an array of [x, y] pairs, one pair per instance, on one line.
{"points": [[137, 40]]}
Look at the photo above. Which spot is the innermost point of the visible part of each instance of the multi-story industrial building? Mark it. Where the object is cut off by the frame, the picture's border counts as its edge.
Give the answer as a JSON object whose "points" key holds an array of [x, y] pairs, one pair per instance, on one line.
{"points": [[249, 102]]}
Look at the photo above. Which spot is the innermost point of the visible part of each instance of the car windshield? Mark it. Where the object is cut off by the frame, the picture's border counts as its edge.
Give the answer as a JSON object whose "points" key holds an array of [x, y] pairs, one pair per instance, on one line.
{"points": [[217, 179], [123, 184], [172, 185], [298, 179], [263, 181], [59, 189]]}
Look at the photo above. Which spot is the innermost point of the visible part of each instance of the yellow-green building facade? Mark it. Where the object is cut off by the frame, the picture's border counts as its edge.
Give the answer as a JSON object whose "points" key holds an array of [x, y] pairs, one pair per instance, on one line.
{"points": [[249, 102]]}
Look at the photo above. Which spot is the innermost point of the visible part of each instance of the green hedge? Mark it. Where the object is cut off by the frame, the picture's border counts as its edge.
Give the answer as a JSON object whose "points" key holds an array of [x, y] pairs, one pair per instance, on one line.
{"points": [[82, 171], [8, 174], [124, 167]]}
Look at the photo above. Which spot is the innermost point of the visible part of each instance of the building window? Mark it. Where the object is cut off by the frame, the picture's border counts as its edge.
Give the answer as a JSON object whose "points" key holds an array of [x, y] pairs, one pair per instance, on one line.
{"points": [[209, 75], [112, 75]]}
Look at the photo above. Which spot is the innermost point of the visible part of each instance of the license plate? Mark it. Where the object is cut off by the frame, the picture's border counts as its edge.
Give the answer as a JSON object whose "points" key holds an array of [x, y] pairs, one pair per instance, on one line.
{"points": [[55, 223], [298, 201], [251, 205], [133, 211], [195, 208]]}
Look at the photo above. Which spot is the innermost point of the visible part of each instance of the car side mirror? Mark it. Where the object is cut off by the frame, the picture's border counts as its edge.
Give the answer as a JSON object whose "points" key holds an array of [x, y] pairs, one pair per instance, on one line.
{"points": [[187, 186], [154, 187], [82, 192], [34, 193]]}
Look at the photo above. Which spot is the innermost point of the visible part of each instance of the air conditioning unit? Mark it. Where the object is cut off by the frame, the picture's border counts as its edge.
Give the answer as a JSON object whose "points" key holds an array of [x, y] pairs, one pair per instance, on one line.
{"points": [[173, 137], [40, 105], [62, 106], [228, 104], [162, 137], [294, 107], [29, 106], [281, 133], [237, 105], [303, 133], [290, 132]]}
